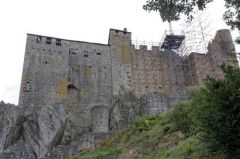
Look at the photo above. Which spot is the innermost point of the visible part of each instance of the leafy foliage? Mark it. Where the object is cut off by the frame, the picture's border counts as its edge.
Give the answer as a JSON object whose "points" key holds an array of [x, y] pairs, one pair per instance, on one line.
{"points": [[170, 10], [217, 114], [205, 126]]}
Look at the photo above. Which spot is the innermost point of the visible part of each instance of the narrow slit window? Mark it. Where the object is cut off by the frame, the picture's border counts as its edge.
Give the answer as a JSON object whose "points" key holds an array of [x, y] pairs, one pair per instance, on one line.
{"points": [[49, 40], [98, 53], [85, 55]]}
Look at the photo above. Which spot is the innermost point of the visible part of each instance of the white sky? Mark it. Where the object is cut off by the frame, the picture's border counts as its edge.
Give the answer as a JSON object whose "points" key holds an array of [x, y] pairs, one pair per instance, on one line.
{"points": [[85, 20]]}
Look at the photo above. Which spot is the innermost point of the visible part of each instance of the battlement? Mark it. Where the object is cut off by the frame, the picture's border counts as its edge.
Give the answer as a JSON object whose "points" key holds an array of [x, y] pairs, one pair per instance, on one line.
{"points": [[144, 45], [86, 76]]}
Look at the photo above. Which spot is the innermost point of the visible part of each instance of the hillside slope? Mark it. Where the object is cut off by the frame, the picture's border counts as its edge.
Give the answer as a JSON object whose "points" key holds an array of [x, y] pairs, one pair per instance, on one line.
{"points": [[204, 126], [152, 137]]}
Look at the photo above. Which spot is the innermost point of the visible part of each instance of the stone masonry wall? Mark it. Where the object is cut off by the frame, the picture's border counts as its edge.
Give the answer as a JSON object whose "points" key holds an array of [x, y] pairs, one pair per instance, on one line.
{"points": [[121, 56], [220, 50], [90, 72], [87, 75], [147, 71], [45, 71]]}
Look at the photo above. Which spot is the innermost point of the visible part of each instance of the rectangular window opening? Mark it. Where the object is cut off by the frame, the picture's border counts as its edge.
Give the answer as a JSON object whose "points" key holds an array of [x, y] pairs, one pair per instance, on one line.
{"points": [[49, 40], [58, 42]]}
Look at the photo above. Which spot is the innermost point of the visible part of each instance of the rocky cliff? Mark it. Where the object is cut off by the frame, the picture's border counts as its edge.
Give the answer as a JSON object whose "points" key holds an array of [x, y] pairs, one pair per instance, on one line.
{"points": [[46, 131]]}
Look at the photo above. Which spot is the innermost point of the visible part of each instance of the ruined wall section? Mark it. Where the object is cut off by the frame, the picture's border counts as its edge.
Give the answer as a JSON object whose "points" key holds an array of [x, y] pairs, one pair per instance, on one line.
{"points": [[91, 73], [45, 71], [220, 50], [200, 66], [121, 55]]}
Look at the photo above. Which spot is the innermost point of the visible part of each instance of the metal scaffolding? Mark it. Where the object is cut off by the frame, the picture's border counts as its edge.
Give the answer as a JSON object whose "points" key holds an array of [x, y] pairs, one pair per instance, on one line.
{"points": [[180, 75]]}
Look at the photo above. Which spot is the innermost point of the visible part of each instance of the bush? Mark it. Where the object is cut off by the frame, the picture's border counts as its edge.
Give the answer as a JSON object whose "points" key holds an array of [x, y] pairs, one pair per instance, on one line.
{"points": [[217, 115], [146, 123]]}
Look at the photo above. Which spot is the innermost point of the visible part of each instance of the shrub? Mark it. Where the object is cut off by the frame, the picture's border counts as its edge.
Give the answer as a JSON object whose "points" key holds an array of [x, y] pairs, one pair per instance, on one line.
{"points": [[217, 114]]}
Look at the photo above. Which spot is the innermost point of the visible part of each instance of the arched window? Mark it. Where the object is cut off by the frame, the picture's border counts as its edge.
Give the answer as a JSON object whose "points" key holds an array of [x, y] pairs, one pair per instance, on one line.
{"points": [[72, 93]]}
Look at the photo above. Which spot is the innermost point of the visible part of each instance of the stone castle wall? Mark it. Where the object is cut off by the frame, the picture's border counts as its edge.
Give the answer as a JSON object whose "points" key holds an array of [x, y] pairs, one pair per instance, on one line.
{"points": [[86, 76], [220, 50], [45, 71], [74, 94]]}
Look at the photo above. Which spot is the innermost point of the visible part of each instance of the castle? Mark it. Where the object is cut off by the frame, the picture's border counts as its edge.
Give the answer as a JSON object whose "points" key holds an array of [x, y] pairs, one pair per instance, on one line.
{"points": [[86, 76]]}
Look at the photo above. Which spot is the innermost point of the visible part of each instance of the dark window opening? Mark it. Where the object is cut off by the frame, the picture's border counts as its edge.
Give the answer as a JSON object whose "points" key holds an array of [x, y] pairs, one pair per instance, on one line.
{"points": [[72, 94], [72, 52], [58, 42], [46, 62], [85, 55], [28, 86], [49, 40], [146, 86], [116, 31], [39, 40], [98, 53], [89, 66]]}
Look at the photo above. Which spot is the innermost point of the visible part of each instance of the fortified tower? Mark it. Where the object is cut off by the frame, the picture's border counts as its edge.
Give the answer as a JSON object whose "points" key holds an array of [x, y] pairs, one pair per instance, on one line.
{"points": [[121, 56], [85, 76], [45, 71]]}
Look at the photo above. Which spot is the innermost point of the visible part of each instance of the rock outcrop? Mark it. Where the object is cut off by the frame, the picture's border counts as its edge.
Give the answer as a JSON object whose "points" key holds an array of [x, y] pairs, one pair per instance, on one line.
{"points": [[48, 132], [11, 125], [124, 109], [32, 131]]}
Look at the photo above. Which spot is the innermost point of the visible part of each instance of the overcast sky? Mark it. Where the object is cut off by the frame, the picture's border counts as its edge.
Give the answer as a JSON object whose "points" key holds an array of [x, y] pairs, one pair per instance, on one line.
{"points": [[85, 20]]}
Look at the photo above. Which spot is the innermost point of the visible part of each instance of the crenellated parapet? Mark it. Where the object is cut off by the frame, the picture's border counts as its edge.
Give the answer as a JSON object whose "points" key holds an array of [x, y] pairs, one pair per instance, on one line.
{"points": [[87, 76]]}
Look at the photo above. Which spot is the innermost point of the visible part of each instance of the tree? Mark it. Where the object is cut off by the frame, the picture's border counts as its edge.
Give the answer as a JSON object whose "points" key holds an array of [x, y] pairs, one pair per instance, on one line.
{"points": [[170, 10], [217, 113]]}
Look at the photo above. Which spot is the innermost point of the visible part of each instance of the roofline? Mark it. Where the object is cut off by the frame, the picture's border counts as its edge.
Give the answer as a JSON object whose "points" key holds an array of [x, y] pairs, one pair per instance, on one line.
{"points": [[116, 30], [70, 40], [121, 30]]}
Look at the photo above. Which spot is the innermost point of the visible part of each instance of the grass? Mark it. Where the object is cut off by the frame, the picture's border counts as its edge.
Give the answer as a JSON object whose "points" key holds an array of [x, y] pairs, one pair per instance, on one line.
{"points": [[97, 153], [154, 137]]}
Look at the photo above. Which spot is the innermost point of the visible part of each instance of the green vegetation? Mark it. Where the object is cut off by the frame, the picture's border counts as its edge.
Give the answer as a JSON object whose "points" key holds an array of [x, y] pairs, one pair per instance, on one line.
{"points": [[170, 10], [217, 114], [205, 126]]}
